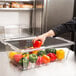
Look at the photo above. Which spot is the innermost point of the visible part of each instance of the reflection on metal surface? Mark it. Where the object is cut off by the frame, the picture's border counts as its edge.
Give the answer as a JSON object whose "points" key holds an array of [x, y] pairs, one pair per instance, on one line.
{"points": [[14, 31]]}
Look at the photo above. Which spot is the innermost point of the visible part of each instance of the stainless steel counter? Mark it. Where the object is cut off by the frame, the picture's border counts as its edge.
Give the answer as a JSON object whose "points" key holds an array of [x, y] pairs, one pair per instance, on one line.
{"points": [[61, 68]]}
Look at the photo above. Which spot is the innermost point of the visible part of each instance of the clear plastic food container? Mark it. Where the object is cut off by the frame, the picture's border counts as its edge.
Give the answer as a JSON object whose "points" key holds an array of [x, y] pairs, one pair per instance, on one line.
{"points": [[23, 55]]}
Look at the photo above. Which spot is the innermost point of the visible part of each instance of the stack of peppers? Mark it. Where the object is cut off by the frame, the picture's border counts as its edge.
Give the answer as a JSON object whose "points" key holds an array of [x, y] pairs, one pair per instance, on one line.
{"points": [[38, 56]]}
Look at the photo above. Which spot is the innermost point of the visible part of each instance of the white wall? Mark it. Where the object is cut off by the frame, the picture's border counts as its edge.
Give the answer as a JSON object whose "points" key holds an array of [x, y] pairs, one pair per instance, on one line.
{"points": [[11, 18]]}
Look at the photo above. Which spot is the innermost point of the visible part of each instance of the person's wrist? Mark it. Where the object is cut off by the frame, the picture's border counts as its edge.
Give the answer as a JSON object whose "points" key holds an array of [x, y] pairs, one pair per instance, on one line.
{"points": [[50, 33], [45, 35]]}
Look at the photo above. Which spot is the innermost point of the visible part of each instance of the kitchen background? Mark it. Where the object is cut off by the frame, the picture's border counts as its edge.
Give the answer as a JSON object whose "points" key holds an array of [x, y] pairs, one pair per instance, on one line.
{"points": [[23, 18]]}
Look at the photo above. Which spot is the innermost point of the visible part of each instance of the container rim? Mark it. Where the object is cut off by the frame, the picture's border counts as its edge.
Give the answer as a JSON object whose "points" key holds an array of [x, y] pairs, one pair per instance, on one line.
{"points": [[4, 41]]}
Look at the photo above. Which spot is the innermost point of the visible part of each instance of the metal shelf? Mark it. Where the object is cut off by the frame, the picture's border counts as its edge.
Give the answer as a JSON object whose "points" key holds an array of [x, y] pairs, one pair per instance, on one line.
{"points": [[14, 9], [15, 0]]}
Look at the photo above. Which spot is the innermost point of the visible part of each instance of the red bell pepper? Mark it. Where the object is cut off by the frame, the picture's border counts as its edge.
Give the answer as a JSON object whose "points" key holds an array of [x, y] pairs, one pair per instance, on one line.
{"points": [[39, 60], [37, 44], [52, 56], [17, 57]]}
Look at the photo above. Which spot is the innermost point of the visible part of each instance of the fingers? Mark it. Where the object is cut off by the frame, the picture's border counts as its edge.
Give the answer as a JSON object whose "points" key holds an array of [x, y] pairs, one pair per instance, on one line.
{"points": [[37, 38], [34, 40], [41, 37], [42, 42]]}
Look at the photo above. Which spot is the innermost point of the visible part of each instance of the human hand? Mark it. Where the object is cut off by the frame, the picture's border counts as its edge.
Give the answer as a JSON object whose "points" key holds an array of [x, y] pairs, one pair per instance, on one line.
{"points": [[41, 38]]}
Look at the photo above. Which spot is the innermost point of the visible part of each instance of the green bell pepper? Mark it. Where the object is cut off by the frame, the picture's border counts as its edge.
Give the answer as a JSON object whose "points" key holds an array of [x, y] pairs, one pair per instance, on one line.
{"points": [[50, 51], [41, 53], [53, 50], [33, 58], [21, 61], [25, 62]]}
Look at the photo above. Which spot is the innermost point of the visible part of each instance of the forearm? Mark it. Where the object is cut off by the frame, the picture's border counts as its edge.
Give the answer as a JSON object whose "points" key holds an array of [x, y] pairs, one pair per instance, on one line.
{"points": [[50, 33], [57, 31], [60, 29], [64, 28]]}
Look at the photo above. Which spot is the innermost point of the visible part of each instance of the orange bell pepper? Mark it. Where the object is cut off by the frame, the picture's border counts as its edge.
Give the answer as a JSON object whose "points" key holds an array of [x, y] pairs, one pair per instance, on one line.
{"points": [[46, 59], [35, 52]]}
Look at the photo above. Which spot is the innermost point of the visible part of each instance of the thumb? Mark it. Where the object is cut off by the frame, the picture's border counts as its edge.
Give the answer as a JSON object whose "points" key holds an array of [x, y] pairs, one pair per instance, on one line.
{"points": [[34, 40]]}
